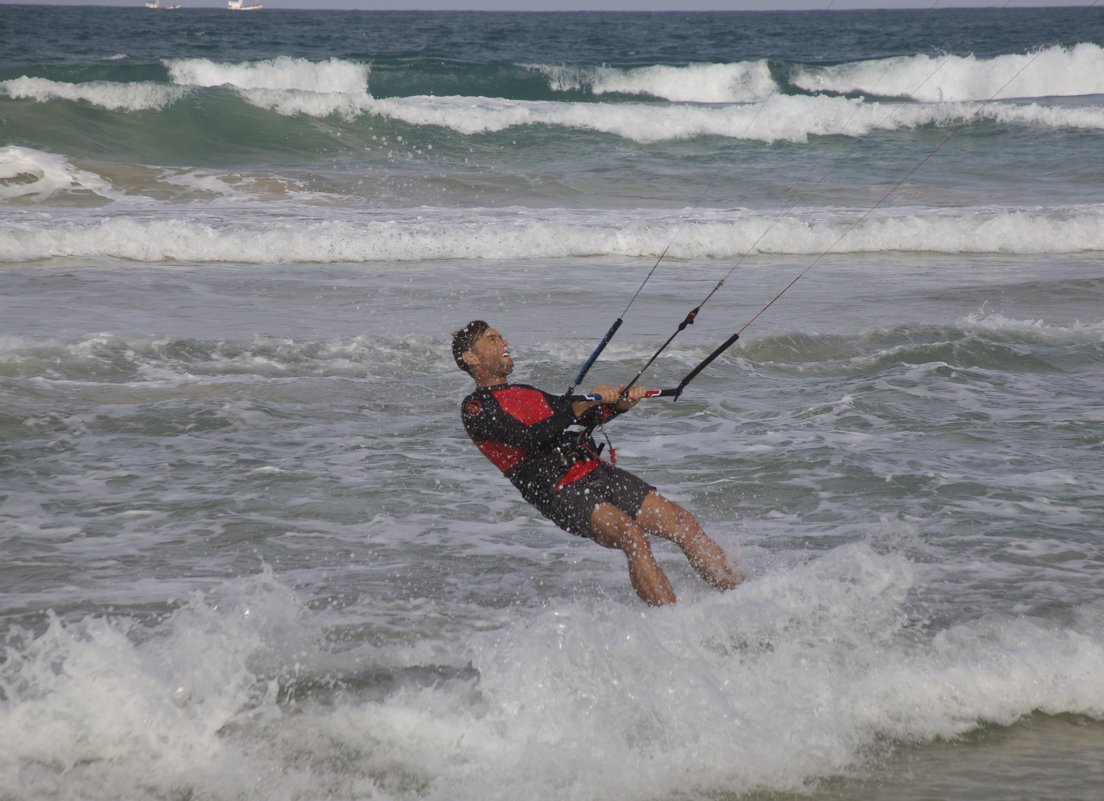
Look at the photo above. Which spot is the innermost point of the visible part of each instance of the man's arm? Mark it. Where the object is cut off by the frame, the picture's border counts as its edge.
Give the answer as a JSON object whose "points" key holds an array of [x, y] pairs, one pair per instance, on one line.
{"points": [[520, 417], [612, 403]]}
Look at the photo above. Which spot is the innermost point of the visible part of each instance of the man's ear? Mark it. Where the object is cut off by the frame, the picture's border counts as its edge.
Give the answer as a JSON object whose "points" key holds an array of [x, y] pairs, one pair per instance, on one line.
{"points": [[469, 358]]}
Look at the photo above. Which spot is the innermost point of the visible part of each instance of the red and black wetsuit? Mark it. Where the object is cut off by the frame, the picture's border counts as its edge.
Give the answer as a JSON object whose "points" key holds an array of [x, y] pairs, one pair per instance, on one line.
{"points": [[528, 435], [524, 432]]}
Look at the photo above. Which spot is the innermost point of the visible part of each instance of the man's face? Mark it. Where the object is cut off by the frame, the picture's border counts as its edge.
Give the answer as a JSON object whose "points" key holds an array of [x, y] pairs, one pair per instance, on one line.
{"points": [[490, 355]]}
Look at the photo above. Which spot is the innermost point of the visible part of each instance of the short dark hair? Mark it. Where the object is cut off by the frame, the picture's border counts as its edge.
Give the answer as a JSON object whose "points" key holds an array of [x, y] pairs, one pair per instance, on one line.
{"points": [[464, 339]]}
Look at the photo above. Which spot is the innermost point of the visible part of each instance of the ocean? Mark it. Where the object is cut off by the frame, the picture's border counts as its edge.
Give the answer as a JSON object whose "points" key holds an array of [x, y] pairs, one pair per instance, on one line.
{"points": [[249, 552]]}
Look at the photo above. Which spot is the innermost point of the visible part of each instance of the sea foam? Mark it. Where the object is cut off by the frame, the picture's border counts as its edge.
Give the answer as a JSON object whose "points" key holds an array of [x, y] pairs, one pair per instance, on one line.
{"points": [[736, 101], [799, 675], [780, 118], [493, 235], [115, 96], [1050, 72], [27, 174], [288, 86], [283, 72], [701, 83]]}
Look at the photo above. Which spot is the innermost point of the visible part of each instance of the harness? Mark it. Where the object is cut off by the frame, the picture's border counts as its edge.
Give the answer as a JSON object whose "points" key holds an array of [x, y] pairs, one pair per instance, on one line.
{"points": [[578, 446]]}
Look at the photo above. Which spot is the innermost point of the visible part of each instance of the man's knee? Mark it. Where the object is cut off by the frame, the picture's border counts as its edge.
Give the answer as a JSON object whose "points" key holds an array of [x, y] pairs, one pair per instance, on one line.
{"points": [[612, 528], [666, 518]]}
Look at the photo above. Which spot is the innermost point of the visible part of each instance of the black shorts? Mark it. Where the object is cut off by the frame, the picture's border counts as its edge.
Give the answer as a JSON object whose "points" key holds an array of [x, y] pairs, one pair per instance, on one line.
{"points": [[570, 507]]}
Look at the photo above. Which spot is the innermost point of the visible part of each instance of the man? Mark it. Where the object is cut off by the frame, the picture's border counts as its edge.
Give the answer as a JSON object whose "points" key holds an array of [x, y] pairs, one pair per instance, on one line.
{"points": [[527, 434]]}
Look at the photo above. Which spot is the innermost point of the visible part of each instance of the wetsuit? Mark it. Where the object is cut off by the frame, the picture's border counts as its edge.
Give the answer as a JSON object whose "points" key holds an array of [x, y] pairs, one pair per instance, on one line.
{"points": [[526, 433]]}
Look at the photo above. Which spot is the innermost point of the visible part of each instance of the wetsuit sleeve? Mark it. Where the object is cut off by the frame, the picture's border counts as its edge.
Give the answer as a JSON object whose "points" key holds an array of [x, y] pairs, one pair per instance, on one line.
{"points": [[596, 415], [519, 417]]}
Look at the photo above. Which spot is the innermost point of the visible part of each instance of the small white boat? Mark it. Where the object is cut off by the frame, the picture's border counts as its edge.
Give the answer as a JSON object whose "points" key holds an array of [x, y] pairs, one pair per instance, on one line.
{"points": [[242, 5], [153, 3]]}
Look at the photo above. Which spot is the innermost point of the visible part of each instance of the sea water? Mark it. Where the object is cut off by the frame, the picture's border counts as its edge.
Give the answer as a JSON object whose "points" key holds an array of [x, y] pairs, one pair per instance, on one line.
{"points": [[249, 553]]}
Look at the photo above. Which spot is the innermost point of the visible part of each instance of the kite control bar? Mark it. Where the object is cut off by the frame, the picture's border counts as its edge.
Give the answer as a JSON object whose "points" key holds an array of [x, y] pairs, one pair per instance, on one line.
{"points": [[677, 391], [651, 393]]}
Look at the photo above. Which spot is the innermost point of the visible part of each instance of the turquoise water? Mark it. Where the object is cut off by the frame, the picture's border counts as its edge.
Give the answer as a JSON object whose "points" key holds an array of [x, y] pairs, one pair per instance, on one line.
{"points": [[249, 552]]}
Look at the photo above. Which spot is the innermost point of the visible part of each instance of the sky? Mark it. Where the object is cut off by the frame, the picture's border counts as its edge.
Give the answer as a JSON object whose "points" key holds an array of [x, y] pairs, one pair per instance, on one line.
{"points": [[588, 5]]}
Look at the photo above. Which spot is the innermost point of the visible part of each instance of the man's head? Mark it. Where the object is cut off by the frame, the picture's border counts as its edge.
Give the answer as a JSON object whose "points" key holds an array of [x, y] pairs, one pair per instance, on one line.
{"points": [[482, 352]]}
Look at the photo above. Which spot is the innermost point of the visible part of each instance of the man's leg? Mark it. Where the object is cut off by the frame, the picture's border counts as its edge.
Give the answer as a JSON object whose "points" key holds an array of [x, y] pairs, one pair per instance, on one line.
{"points": [[665, 519], [613, 528]]}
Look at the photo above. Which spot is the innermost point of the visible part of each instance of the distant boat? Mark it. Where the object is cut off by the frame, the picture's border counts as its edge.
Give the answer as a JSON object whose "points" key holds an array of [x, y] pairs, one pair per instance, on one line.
{"points": [[242, 5], [153, 3]]}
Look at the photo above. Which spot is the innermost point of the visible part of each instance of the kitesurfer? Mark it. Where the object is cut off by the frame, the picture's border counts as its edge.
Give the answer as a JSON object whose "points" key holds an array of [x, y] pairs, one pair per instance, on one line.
{"points": [[533, 438]]}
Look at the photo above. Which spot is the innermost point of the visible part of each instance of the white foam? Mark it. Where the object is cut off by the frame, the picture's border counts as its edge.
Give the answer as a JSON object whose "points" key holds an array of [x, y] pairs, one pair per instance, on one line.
{"points": [[87, 693], [285, 73], [1050, 72], [288, 86], [789, 679], [1038, 330], [708, 100], [294, 102], [780, 118], [256, 238], [702, 83], [784, 118], [979, 231], [29, 174], [140, 96]]}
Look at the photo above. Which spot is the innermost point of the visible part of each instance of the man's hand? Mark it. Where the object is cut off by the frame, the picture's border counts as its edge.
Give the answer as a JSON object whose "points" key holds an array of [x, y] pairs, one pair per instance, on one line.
{"points": [[611, 396]]}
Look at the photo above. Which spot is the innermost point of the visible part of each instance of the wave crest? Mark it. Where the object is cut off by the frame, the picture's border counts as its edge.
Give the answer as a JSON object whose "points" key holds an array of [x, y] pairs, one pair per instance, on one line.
{"points": [[284, 72], [114, 96], [700, 83], [489, 234], [32, 175], [1050, 72]]}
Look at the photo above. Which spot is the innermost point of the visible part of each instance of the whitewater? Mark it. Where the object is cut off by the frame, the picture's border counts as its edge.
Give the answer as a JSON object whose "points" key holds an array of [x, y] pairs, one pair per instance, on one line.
{"points": [[249, 552]]}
